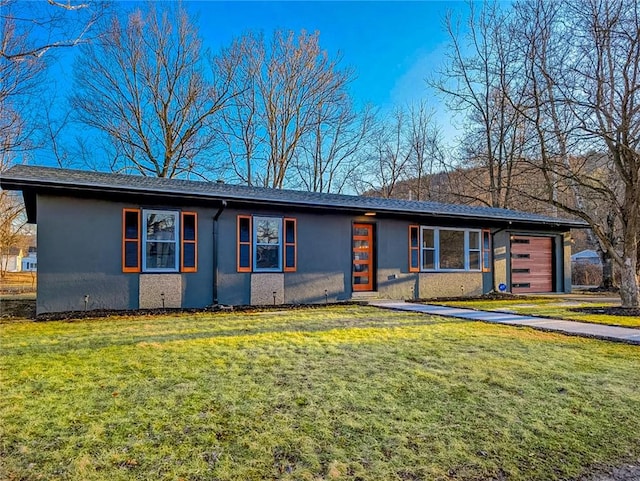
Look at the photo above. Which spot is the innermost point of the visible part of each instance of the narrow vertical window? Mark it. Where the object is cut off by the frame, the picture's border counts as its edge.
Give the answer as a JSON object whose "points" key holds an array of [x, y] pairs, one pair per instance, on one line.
{"points": [[486, 250], [244, 243], [189, 251], [130, 240], [414, 249], [474, 250], [428, 249], [290, 245]]}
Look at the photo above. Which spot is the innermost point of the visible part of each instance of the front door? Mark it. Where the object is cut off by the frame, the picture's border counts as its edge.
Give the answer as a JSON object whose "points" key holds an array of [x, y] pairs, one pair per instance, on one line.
{"points": [[362, 272]]}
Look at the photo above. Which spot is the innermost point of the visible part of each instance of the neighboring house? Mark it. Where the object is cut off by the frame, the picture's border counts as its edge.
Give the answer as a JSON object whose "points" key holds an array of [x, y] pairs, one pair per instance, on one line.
{"points": [[30, 262], [115, 241], [587, 256], [11, 260]]}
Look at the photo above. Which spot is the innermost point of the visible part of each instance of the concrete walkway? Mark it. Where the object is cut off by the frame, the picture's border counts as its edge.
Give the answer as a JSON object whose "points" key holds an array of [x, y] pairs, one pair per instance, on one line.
{"points": [[574, 328]]}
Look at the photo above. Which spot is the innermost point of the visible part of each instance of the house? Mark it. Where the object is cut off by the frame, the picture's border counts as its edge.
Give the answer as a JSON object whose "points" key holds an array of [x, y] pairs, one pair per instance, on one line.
{"points": [[11, 260], [587, 256], [111, 241], [30, 262]]}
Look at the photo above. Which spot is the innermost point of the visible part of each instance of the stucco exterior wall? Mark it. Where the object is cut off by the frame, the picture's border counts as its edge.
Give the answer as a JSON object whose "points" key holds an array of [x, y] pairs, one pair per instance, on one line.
{"points": [[80, 254], [450, 284]]}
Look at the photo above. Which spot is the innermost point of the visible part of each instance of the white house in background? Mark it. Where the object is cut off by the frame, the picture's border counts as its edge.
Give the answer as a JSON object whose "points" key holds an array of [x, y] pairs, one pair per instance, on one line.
{"points": [[12, 260], [586, 257], [30, 262]]}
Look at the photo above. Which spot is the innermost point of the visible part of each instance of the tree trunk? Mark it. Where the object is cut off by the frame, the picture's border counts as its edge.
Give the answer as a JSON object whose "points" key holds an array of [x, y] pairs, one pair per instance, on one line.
{"points": [[629, 285], [608, 282]]}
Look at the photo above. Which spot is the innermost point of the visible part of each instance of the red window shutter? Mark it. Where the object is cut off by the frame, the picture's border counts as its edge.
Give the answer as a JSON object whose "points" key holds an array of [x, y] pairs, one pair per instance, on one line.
{"points": [[244, 243], [290, 245], [131, 240], [414, 248], [189, 240]]}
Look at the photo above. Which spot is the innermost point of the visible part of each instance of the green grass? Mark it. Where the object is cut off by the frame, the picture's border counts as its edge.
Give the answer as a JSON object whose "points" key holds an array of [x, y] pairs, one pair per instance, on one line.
{"points": [[546, 307], [333, 393]]}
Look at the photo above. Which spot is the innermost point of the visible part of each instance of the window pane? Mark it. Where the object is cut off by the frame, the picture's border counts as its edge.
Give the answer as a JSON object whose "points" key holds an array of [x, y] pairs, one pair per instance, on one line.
{"points": [[361, 280], [451, 249], [267, 257], [267, 231], [474, 260], [189, 253], [189, 227], [414, 258], [361, 268], [244, 229], [486, 241], [361, 231], [360, 256], [244, 255], [290, 234], [474, 240], [414, 237], [360, 244], [131, 225], [291, 256], [161, 255], [161, 226], [427, 238], [131, 254], [428, 259]]}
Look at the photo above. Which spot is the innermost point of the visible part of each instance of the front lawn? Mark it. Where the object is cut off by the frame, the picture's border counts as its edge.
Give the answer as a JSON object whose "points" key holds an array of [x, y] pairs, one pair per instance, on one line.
{"points": [[547, 307], [331, 393]]}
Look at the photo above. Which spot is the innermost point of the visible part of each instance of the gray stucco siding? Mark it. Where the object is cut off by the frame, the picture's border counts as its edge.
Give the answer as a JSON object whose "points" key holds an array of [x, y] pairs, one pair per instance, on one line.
{"points": [[80, 253]]}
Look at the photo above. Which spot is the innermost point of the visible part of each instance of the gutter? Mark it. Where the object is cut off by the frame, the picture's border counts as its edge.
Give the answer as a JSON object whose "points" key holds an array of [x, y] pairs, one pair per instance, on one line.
{"points": [[215, 252]]}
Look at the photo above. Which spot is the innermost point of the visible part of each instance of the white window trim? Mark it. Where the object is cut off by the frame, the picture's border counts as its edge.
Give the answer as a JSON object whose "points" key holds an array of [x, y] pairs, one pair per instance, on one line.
{"points": [[176, 240], [255, 244], [436, 249]]}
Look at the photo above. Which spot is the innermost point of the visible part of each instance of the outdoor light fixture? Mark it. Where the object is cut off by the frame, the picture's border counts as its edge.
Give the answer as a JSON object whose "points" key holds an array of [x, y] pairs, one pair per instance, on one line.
{"points": [[370, 213]]}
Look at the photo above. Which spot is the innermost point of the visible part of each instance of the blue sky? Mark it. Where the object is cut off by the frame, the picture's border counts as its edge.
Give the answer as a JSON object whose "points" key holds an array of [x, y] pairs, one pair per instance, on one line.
{"points": [[393, 46]]}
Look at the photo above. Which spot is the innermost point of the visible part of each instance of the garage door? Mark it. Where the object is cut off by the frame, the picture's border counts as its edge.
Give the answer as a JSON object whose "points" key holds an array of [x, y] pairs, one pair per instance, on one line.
{"points": [[531, 264]]}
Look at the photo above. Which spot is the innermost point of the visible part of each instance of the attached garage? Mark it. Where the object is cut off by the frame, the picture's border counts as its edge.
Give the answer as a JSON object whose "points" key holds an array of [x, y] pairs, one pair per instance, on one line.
{"points": [[531, 264]]}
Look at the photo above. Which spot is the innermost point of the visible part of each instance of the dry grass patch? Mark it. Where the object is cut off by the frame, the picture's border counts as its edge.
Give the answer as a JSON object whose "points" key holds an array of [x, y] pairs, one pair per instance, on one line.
{"points": [[335, 393]]}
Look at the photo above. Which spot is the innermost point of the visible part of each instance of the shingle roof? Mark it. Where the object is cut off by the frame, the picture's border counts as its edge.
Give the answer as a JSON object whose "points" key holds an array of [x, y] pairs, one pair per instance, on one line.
{"points": [[35, 177]]}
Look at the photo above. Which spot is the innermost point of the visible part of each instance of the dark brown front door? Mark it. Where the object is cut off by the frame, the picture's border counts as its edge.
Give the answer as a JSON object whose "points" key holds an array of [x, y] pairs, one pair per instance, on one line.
{"points": [[531, 264], [362, 272]]}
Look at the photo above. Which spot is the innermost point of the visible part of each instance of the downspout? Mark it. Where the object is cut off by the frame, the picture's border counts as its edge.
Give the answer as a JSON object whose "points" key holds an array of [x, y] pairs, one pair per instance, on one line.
{"points": [[215, 251]]}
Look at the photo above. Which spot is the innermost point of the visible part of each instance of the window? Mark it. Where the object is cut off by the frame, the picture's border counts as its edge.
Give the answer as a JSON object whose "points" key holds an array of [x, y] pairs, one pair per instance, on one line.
{"points": [[189, 252], [266, 244], [414, 248], [486, 251], [130, 240], [160, 240], [290, 251], [450, 249], [267, 253]]}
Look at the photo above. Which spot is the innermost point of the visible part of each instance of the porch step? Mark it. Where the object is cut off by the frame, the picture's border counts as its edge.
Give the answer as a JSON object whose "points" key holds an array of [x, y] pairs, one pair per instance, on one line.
{"points": [[364, 295]]}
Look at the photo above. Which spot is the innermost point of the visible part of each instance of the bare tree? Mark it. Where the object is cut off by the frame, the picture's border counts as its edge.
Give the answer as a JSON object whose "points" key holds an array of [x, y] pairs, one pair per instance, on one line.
{"points": [[480, 82], [426, 150], [385, 159], [285, 88], [327, 157], [143, 86], [584, 92]]}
